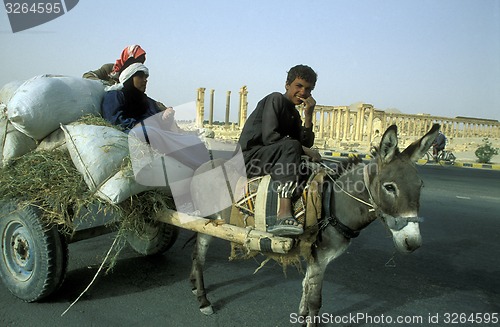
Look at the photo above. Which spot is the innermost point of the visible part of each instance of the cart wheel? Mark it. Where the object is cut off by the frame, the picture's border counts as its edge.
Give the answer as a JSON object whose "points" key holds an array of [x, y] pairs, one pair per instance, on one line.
{"points": [[153, 238], [34, 256]]}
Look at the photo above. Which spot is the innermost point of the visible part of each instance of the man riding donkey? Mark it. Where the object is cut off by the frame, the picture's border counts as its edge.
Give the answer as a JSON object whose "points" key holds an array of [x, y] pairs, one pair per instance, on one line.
{"points": [[274, 138]]}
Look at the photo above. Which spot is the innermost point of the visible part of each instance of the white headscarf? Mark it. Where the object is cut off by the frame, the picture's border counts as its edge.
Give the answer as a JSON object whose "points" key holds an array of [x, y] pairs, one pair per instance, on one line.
{"points": [[126, 74], [131, 70]]}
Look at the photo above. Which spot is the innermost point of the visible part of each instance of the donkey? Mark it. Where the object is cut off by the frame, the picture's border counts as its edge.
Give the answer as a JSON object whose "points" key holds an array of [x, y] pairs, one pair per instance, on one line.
{"points": [[388, 187]]}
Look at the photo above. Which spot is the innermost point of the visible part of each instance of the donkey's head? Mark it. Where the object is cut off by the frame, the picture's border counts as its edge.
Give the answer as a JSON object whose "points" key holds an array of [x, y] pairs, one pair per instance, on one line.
{"points": [[395, 186]]}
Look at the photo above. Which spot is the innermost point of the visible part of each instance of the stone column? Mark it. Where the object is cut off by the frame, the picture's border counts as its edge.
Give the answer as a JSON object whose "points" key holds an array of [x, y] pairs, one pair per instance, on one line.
{"points": [[385, 124], [359, 118], [332, 123], [321, 123], [211, 115], [370, 125], [347, 123], [200, 107], [364, 123], [338, 114], [243, 106], [228, 104]]}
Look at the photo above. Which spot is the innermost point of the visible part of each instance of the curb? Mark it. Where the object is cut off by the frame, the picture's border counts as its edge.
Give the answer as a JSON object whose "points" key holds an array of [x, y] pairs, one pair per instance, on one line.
{"points": [[477, 165], [368, 157], [345, 154]]}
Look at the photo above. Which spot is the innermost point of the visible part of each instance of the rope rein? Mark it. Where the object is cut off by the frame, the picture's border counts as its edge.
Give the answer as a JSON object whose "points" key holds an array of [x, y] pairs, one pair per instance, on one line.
{"points": [[372, 205]]}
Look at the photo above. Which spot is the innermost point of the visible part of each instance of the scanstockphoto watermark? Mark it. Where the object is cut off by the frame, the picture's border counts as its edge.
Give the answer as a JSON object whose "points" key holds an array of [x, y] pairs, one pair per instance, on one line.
{"points": [[26, 14], [433, 319], [356, 318]]}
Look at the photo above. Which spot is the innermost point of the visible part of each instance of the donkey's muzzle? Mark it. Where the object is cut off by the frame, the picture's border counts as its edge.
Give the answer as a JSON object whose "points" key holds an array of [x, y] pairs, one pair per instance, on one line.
{"points": [[408, 238]]}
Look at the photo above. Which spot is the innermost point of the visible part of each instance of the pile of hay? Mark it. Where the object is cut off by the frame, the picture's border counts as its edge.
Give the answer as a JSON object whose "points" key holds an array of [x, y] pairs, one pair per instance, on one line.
{"points": [[50, 181]]}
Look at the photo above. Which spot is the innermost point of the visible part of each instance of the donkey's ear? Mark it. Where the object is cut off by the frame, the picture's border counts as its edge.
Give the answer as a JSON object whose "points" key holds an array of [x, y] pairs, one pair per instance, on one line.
{"points": [[417, 149], [389, 144]]}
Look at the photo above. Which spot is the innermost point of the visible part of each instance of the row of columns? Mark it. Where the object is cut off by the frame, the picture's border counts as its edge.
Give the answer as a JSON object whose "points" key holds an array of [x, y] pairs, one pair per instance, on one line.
{"points": [[200, 107], [416, 125], [343, 123], [362, 123]]}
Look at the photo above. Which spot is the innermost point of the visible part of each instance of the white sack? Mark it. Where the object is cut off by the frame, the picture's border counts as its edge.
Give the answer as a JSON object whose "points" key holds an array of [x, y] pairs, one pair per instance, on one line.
{"points": [[42, 103], [98, 153], [8, 90], [13, 143], [53, 141]]}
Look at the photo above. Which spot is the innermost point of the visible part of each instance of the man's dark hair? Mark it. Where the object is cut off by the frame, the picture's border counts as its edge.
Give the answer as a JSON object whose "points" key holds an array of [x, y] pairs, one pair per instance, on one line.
{"points": [[304, 72]]}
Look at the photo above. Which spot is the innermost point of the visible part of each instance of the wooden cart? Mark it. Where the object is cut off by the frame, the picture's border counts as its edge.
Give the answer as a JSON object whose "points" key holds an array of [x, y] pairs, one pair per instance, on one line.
{"points": [[34, 257]]}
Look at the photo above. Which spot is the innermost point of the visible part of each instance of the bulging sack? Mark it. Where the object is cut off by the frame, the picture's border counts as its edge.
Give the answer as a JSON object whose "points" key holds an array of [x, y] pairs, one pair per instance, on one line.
{"points": [[13, 144], [99, 153], [8, 90], [42, 103]]}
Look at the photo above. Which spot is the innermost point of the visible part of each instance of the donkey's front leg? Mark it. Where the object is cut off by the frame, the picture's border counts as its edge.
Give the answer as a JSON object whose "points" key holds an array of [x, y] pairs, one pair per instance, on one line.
{"points": [[331, 247], [310, 302], [196, 277]]}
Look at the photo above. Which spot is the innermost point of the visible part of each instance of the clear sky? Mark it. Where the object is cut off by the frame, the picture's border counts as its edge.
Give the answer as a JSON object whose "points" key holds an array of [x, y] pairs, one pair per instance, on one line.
{"points": [[440, 57]]}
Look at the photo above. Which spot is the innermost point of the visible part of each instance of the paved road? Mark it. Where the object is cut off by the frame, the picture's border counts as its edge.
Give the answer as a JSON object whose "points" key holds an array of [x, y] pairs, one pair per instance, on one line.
{"points": [[455, 272]]}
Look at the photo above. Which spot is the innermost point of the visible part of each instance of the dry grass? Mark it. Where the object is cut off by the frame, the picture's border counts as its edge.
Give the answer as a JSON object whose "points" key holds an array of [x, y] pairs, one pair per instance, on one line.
{"points": [[50, 181]]}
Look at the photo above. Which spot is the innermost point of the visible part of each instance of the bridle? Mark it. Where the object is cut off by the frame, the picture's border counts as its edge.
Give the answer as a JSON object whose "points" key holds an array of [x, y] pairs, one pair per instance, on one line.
{"points": [[393, 223]]}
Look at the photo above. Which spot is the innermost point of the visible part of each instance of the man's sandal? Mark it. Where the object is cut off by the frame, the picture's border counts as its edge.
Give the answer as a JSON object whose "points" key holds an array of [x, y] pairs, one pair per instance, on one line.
{"points": [[287, 226]]}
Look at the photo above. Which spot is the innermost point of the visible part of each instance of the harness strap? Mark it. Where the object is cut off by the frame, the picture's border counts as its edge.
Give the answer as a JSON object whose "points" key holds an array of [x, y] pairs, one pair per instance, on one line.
{"points": [[366, 180], [343, 229], [329, 218], [394, 223]]}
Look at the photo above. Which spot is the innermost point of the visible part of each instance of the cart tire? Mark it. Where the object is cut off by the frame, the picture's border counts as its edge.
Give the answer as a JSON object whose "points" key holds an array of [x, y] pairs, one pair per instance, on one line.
{"points": [[153, 238], [34, 256]]}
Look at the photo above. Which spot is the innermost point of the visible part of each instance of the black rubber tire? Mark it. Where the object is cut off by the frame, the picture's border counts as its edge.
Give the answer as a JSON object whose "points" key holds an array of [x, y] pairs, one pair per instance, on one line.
{"points": [[154, 238], [34, 256], [452, 158]]}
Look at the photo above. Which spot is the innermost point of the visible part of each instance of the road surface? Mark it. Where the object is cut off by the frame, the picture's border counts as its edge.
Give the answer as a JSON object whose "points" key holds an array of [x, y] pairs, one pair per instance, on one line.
{"points": [[453, 276]]}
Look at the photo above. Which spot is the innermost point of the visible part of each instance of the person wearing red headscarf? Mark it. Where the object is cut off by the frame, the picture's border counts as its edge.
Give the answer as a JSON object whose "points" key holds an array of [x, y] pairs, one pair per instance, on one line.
{"points": [[131, 54], [109, 73]]}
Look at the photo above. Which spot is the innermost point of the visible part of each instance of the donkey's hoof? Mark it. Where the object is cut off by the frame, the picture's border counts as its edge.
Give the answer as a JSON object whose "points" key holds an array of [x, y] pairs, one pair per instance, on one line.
{"points": [[195, 291], [207, 310]]}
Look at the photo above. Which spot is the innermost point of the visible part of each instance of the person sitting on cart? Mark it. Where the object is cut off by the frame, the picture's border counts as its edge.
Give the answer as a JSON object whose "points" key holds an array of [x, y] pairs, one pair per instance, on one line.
{"points": [[128, 106], [109, 73], [274, 138], [438, 145]]}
